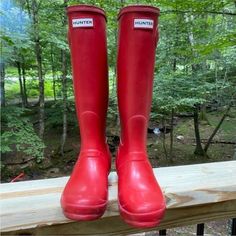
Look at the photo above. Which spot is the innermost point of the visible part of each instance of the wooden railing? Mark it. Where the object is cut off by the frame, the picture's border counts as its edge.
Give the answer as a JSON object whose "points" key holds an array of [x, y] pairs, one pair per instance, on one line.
{"points": [[194, 194]]}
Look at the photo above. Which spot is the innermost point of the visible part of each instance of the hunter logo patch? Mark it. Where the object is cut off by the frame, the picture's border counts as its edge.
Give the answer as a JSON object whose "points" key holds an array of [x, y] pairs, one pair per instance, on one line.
{"points": [[82, 22], [143, 23]]}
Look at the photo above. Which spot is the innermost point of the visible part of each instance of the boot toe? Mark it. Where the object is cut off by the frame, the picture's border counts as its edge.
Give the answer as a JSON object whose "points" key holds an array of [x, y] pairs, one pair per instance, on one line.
{"points": [[141, 201], [84, 197]]}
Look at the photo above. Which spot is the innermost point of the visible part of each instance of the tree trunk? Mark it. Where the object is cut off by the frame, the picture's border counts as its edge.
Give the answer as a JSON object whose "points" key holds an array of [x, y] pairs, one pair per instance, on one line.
{"points": [[2, 84], [171, 134], [203, 114], [198, 150], [164, 139], [53, 74], [217, 128], [38, 54], [24, 85], [64, 100], [64, 89], [18, 64], [172, 116]]}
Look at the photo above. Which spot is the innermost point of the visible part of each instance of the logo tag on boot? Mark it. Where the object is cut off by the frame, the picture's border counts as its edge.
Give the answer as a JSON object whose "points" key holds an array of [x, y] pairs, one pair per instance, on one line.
{"points": [[143, 24], [82, 22]]}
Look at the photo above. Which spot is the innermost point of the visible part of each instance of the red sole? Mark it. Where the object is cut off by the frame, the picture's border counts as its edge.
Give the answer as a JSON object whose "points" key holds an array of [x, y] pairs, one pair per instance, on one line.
{"points": [[84, 213], [142, 220]]}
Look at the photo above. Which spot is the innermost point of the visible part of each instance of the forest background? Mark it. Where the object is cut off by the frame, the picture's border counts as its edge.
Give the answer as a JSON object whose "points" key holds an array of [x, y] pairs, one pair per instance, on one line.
{"points": [[193, 117]]}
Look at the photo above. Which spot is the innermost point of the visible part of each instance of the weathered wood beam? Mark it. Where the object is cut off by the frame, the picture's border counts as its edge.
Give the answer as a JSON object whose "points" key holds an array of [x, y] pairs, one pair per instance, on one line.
{"points": [[194, 194]]}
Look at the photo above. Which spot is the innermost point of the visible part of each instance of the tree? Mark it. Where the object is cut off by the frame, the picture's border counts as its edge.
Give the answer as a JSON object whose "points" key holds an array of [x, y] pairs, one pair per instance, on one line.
{"points": [[13, 42], [64, 87], [2, 84], [33, 7]]}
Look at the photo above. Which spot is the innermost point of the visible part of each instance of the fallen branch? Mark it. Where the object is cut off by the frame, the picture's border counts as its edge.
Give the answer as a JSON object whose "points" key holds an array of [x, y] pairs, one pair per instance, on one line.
{"points": [[22, 162], [216, 141]]}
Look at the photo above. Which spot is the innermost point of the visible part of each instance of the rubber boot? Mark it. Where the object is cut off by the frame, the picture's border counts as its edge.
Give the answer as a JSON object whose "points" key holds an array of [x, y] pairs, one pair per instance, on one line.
{"points": [[141, 201], [85, 195]]}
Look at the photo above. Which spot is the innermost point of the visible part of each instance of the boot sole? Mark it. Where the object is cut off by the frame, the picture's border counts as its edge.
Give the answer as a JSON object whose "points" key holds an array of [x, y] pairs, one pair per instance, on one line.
{"points": [[142, 220], [84, 213]]}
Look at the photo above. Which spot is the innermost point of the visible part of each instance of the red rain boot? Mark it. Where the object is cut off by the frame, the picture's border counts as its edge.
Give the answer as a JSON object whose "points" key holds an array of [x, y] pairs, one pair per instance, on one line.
{"points": [[85, 195], [141, 201]]}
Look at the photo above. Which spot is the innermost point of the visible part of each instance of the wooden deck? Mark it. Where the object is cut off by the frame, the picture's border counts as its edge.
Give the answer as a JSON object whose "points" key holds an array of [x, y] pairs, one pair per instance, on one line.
{"points": [[194, 194]]}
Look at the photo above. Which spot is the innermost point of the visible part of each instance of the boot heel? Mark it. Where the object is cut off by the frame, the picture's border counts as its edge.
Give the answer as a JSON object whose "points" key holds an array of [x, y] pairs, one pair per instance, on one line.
{"points": [[142, 220]]}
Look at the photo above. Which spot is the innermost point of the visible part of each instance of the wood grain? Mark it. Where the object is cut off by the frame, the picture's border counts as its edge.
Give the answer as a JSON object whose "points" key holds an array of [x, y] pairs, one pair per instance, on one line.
{"points": [[194, 194]]}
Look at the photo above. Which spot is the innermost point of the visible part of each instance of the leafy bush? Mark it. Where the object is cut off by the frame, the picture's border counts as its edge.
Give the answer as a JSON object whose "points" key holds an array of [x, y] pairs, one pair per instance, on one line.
{"points": [[18, 134], [54, 113]]}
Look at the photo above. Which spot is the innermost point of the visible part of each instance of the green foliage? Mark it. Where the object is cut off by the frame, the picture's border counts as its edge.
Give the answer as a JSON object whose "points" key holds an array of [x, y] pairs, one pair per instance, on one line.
{"points": [[18, 134], [54, 114], [13, 90], [213, 35], [195, 59]]}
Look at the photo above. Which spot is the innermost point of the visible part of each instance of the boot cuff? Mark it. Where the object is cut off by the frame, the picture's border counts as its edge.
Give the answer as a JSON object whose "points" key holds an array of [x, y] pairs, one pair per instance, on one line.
{"points": [[139, 8], [86, 8]]}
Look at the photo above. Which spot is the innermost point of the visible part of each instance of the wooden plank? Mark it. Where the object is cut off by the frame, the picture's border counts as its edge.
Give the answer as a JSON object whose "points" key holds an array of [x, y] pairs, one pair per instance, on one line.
{"points": [[194, 194]]}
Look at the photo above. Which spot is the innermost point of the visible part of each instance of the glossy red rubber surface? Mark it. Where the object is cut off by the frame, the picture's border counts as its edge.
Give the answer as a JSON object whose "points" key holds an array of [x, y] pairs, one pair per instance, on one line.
{"points": [[141, 201], [85, 195]]}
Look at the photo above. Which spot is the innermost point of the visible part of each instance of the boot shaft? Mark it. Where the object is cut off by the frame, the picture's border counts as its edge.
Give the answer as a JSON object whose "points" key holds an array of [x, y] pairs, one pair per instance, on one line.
{"points": [[88, 46], [138, 36]]}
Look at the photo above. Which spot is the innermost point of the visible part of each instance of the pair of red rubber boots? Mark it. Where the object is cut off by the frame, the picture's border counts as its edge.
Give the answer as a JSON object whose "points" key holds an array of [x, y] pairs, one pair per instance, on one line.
{"points": [[85, 196]]}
